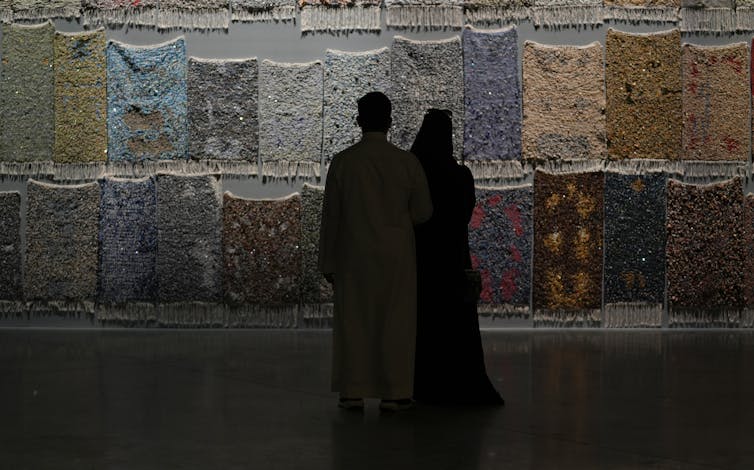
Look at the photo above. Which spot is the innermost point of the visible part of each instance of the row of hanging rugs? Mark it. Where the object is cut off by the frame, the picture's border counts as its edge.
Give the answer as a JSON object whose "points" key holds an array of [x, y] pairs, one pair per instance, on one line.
{"points": [[75, 106], [366, 15], [584, 249]]}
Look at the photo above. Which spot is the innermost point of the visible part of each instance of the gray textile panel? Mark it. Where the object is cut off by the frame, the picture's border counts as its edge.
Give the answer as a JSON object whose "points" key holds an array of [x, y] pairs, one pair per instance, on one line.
{"points": [[10, 246]]}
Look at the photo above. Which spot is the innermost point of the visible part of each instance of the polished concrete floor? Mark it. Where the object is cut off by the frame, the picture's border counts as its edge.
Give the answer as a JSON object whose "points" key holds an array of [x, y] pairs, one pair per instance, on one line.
{"points": [[157, 399]]}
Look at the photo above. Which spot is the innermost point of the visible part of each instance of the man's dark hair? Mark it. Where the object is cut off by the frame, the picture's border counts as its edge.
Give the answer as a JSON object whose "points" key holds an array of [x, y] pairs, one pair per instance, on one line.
{"points": [[374, 112]]}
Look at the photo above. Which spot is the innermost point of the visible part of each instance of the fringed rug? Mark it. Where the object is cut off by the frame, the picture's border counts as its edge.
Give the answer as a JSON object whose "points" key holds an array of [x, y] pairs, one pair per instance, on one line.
{"points": [[26, 88], [492, 99], [642, 11], [80, 97], [119, 12], [500, 241], [316, 292], [263, 10], [10, 251], [716, 16], [222, 109], [340, 15], [643, 77], [146, 101], [564, 102], [634, 249], [744, 15], [425, 74], [557, 14], [424, 14], [568, 234], [706, 254], [747, 318], [716, 96], [496, 12], [290, 118], [193, 14], [61, 246], [348, 77], [189, 253], [262, 255], [128, 242], [45, 9]]}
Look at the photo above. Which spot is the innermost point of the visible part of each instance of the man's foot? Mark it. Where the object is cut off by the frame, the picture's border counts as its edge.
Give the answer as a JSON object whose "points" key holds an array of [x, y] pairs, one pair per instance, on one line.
{"points": [[396, 405], [351, 403]]}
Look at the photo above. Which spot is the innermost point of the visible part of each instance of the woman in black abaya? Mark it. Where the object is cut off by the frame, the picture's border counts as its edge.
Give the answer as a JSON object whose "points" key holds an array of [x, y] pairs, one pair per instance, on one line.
{"points": [[449, 358]]}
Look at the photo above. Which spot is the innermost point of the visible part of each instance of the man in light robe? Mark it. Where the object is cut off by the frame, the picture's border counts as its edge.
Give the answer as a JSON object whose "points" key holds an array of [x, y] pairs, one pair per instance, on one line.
{"points": [[374, 195]]}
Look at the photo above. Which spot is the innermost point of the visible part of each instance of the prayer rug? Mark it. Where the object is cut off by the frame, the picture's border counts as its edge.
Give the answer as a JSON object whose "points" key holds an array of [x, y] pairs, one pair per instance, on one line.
{"points": [[500, 241], [634, 249], [568, 234], [348, 77], [189, 253], [26, 89], [222, 109], [642, 11], [263, 10], [290, 118], [193, 14], [128, 241], [316, 292], [747, 319], [426, 14], [708, 16], [146, 102], [643, 76], [340, 15], [61, 243], [45, 9], [706, 253], [567, 13], [486, 12], [716, 94], [119, 12], [425, 74], [564, 102], [10, 247], [80, 97]]}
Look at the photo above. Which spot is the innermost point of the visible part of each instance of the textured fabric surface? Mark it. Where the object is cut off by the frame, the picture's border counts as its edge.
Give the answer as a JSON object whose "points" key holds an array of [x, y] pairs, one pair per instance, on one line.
{"points": [[485, 12], [500, 242], [80, 97], [290, 115], [568, 237], [642, 10], [61, 242], [261, 250], [120, 12], [705, 253], [425, 74], [643, 77], [348, 77], [340, 15], [708, 15], [194, 14], [429, 14], [716, 102], [747, 319], [189, 253], [10, 246], [564, 102], [492, 100], [558, 13], [146, 102], [44, 9], [222, 109], [314, 288], [635, 248], [128, 241], [263, 10], [26, 93]]}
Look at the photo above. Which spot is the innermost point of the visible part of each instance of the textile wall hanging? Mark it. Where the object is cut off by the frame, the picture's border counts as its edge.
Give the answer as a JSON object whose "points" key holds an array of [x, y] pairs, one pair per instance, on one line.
{"points": [[262, 256], [348, 77], [119, 12], [634, 249], [10, 252], [564, 102], [428, 14], [80, 97], [146, 102], [290, 118], [44, 9], [706, 254], [744, 15], [485, 12], [567, 13], [747, 319], [6, 11], [61, 246], [641, 11], [189, 253], [263, 10], [222, 109], [492, 101], [716, 94], [425, 74], [708, 15], [316, 292], [500, 241], [26, 93], [193, 14], [340, 15], [568, 233], [643, 77]]}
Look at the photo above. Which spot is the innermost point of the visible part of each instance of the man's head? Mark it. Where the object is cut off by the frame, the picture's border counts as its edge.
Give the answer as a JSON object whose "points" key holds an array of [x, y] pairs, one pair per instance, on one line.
{"points": [[374, 112]]}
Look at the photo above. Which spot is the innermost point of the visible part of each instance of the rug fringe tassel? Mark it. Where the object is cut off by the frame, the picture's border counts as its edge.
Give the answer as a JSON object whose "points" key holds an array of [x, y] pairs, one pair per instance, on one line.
{"points": [[324, 18], [279, 169], [642, 14], [60, 307], [496, 170], [713, 171], [571, 166], [703, 318], [429, 17], [12, 308], [547, 318], [504, 311], [708, 19], [263, 316], [47, 13], [747, 318], [242, 14], [632, 315], [204, 18], [119, 17], [191, 315], [745, 19], [6, 15], [316, 315], [496, 15], [557, 17], [128, 314]]}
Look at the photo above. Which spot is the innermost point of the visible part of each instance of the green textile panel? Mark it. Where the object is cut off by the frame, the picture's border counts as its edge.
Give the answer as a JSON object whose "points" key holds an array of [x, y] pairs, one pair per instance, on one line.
{"points": [[643, 77], [315, 290], [716, 92], [564, 102], [61, 242], [26, 93], [80, 97], [10, 246]]}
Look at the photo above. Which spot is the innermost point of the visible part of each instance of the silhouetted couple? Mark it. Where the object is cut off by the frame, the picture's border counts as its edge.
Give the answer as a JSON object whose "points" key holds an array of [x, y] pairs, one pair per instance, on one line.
{"points": [[403, 326]]}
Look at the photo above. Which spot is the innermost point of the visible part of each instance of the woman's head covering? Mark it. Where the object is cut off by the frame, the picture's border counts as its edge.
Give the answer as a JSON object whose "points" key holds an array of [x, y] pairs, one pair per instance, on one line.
{"points": [[434, 142]]}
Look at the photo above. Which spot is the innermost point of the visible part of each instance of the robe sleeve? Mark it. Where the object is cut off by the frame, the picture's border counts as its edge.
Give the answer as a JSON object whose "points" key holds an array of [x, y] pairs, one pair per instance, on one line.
{"points": [[329, 228], [469, 194], [420, 203]]}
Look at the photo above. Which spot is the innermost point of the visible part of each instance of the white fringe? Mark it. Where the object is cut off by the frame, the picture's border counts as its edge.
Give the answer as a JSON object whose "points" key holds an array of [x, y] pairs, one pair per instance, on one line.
{"points": [[429, 17], [6, 15], [708, 19], [642, 14], [503, 311], [632, 315], [129, 314], [316, 315], [290, 170], [17, 171], [571, 166], [586, 318], [747, 318], [745, 19], [496, 170], [11, 308], [703, 318], [555, 17], [324, 18], [276, 14], [47, 13], [119, 17], [496, 15], [263, 316], [192, 315], [206, 19], [60, 307], [638, 166], [713, 171]]}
